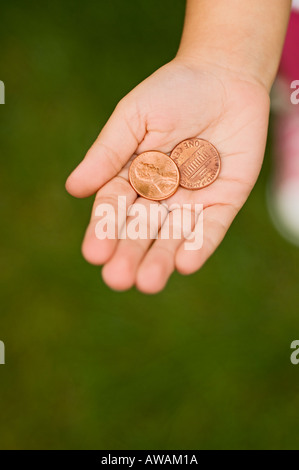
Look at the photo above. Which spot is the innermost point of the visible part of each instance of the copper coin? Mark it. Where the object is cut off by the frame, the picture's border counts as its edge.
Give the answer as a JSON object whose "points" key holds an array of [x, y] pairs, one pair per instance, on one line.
{"points": [[154, 175], [198, 161]]}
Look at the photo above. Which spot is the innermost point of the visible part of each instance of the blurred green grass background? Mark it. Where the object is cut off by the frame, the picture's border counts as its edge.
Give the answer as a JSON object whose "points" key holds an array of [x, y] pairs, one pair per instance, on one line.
{"points": [[205, 364]]}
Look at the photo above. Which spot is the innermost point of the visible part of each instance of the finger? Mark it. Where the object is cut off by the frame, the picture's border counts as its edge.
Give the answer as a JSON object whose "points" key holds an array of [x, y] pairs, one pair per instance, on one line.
{"points": [[159, 262], [216, 221], [119, 194], [114, 146], [147, 216]]}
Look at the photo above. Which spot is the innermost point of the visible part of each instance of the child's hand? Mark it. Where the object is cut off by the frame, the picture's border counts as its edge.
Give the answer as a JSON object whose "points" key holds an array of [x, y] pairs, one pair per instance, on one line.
{"points": [[177, 102]]}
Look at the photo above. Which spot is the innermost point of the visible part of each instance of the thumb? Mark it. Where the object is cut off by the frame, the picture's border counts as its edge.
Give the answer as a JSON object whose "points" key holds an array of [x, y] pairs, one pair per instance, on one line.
{"points": [[116, 143]]}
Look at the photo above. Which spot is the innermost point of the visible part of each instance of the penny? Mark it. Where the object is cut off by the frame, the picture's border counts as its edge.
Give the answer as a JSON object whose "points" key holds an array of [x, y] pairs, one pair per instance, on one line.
{"points": [[154, 175], [198, 161]]}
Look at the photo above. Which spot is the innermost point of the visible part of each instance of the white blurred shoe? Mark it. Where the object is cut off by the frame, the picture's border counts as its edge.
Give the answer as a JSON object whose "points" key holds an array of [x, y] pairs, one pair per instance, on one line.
{"points": [[283, 194]]}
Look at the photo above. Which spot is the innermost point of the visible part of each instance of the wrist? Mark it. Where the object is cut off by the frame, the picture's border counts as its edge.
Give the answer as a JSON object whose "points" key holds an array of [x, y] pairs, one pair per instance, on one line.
{"points": [[221, 60]]}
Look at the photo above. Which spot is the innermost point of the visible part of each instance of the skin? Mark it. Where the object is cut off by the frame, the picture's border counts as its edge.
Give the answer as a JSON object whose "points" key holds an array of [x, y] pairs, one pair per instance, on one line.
{"points": [[216, 88]]}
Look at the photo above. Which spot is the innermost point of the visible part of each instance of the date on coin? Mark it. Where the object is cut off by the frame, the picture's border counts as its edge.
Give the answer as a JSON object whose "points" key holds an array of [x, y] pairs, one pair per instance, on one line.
{"points": [[198, 161], [154, 175]]}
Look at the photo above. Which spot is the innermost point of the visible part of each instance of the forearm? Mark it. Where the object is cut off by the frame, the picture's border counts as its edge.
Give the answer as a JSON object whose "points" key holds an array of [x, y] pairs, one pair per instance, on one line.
{"points": [[244, 36]]}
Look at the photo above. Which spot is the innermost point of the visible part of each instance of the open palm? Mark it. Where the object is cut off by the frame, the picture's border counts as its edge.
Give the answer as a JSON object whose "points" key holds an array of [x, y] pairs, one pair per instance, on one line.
{"points": [[175, 103]]}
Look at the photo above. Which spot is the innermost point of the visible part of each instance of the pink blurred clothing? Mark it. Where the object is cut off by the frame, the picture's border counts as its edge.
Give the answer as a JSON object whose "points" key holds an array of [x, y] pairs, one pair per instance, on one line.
{"points": [[289, 65], [283, 195]]}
